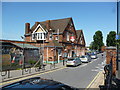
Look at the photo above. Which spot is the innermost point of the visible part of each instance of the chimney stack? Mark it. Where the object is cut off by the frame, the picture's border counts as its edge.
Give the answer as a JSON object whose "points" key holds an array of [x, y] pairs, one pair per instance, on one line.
{"points": [[27, 28]]}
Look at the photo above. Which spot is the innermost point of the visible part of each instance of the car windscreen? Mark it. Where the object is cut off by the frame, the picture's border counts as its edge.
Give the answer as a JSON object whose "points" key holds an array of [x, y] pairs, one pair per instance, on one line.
{"points": [[93, 54], [82, 57], [71, 59]]}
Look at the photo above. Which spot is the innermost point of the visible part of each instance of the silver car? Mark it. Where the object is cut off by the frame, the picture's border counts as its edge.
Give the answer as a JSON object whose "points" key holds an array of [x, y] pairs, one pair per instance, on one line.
{"points": [[73, 62], [85, 58], [93, 56]]}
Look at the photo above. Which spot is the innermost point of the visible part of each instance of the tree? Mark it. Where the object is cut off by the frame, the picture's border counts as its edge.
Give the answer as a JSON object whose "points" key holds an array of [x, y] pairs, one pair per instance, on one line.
{"points": [[111, 41], [92, 45], [98, 40]]}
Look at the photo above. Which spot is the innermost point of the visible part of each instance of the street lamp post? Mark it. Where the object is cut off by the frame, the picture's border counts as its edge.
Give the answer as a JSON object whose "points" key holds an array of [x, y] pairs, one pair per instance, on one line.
{"points": [[118, 32], [23, 63]]}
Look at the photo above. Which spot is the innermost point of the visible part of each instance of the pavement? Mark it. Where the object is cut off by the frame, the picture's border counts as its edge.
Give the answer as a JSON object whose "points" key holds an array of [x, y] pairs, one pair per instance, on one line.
{"points": [[98, 80], [15, 74]]}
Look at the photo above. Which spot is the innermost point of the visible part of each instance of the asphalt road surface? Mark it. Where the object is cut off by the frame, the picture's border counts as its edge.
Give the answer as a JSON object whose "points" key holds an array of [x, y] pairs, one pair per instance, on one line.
{"points": [[80, 76]]}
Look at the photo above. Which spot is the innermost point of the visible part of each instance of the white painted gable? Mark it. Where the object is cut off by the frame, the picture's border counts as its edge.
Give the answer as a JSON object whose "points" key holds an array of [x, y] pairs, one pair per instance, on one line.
{"points": [[39, 29]]}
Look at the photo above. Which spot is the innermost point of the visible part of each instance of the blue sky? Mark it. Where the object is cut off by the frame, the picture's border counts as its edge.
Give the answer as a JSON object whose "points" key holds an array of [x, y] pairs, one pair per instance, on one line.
{"points": [[88, 16]]}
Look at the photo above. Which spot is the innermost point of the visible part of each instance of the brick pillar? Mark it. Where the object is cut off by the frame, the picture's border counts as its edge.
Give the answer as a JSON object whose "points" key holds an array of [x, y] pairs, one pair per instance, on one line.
{"points": [[111, 55], [114, 63]]}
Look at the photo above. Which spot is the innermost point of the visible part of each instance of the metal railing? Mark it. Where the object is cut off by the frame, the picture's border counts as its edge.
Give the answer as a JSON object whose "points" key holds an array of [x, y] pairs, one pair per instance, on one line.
{"points": [[110, 80]]}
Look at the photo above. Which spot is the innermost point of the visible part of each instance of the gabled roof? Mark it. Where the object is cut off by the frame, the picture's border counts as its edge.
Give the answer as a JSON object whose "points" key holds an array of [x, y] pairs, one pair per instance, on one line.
{"points": [[79, 33], [60, 24]]}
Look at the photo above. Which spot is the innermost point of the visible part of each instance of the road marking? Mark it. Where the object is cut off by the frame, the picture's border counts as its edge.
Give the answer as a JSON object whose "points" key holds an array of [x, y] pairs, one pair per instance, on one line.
{"points": [[31, 76], [93, 80], [97, 67], [95, 70]]}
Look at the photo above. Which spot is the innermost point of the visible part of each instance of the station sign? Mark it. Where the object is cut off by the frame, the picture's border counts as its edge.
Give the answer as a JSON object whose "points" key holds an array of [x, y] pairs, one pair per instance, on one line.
{"points": [[72, 38]]}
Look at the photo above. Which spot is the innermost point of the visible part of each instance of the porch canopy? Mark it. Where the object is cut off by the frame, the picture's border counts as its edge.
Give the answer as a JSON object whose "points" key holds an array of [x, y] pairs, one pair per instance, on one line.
{"points": [[24, 45]]}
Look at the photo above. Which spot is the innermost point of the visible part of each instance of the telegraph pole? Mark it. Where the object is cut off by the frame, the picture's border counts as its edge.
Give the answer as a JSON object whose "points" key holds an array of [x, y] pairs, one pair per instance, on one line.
{"points": [[118, 38]]}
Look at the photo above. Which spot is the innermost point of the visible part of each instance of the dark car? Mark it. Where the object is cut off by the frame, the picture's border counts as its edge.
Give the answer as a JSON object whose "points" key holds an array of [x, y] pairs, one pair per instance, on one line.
{"points": [[38, 83]]}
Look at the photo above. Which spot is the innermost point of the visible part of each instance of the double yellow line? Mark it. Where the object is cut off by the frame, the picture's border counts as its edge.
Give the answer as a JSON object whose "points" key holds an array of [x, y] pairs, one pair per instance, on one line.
{"points": [[16, 80], [92, 81]]}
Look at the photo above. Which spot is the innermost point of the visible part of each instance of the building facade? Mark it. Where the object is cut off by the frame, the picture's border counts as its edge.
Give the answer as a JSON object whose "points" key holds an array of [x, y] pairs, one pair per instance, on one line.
{"points": [[56, 39]]}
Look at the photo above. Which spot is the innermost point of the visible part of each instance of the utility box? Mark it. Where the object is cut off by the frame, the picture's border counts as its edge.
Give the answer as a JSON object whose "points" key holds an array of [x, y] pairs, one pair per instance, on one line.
{"points": [[111, 55]]}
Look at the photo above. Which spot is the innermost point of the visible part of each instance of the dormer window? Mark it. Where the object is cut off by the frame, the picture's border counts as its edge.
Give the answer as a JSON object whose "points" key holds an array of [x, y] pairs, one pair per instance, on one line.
{"points": [[39, 33], [38, 36]]}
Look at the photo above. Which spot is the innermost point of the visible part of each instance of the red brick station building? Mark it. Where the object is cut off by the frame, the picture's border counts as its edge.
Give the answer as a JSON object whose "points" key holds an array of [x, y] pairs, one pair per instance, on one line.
{"points": [[56, 39]]}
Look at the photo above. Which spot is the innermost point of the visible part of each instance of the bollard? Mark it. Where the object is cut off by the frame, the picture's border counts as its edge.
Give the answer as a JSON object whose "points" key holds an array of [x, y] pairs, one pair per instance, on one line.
{"points": [[4, 74], [8, 73]]}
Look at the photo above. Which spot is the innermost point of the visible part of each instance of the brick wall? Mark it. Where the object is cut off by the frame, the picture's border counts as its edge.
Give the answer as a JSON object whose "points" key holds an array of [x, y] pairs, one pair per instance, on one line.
{"points": [[111, 55]]}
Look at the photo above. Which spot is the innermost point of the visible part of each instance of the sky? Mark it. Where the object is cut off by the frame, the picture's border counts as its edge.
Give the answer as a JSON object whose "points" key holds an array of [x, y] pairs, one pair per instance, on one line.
{"points": [[88, 16]]}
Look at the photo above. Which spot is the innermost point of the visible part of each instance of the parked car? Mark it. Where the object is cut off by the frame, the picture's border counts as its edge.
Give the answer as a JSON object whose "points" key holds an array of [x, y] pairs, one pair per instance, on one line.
{"points": [[85, 58], [97, 52], [38, 83], [93, 56], [73, 61]]}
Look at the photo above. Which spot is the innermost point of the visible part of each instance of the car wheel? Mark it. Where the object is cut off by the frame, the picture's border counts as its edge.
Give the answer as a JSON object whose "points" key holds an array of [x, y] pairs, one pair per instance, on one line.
{"points": [[75, 65]]}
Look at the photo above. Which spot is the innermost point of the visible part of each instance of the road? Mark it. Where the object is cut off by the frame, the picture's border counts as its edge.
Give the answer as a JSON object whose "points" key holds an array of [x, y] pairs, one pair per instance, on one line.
{"points": [[80, 76]]}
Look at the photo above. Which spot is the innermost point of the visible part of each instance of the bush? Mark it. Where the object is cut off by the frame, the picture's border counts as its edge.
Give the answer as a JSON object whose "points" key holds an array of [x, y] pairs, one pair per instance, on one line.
{"points": [[31, 62]]}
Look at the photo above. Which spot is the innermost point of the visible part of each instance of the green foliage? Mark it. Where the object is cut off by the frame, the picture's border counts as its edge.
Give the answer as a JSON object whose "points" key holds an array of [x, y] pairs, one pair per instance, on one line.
{"points": [[98, 41], [118, 43], [111, 41], [91, 45], [31, 62], [14, 64]]}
